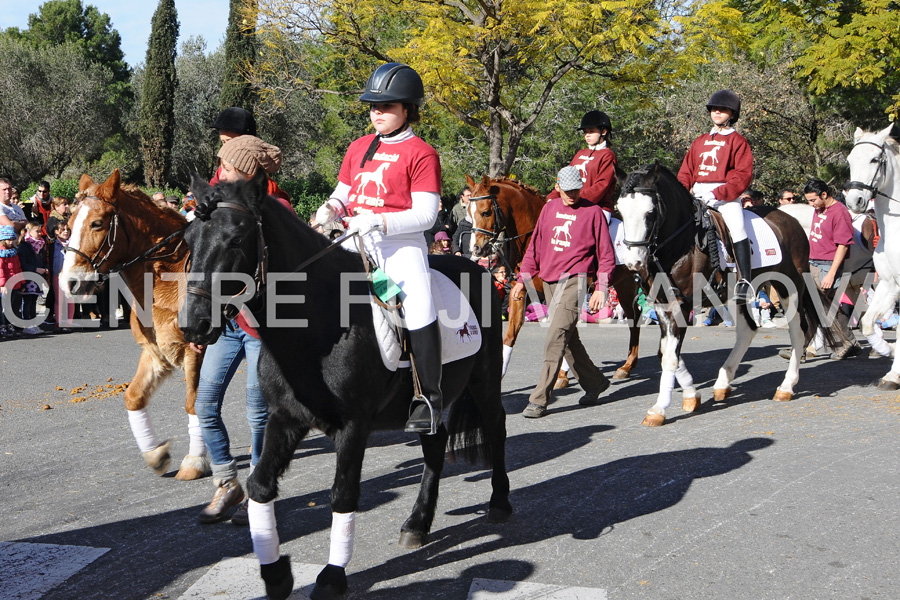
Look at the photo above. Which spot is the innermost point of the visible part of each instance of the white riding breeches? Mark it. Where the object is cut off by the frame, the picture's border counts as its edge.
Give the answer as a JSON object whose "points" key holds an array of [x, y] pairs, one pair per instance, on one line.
{"points": [[404, 259], [731, 211]]}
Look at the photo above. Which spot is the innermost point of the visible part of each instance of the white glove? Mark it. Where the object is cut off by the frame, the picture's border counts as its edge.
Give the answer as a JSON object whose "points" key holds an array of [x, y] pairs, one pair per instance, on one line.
{"points": [[365, 223], [708, 197], [325, 214]]}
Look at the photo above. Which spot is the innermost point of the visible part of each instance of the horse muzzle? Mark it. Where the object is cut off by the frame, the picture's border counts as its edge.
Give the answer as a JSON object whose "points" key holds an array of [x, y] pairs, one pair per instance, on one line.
{"points": [[201, 332], [79, 288]]}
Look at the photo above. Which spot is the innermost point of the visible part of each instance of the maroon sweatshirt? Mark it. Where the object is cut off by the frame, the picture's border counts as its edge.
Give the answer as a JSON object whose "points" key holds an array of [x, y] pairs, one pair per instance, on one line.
{"points": [[570, 240]]}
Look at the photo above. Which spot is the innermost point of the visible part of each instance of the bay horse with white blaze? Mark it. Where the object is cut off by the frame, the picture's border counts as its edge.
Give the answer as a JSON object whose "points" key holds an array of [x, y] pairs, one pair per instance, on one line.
{"points": [[504, 213], [875, 175], [118, 229], [658, 214], [320, 365]]}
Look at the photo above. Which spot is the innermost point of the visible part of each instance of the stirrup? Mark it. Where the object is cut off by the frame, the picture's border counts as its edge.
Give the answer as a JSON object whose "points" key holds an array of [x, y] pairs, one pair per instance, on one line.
{"points": [[416, 421], [743, 292]]}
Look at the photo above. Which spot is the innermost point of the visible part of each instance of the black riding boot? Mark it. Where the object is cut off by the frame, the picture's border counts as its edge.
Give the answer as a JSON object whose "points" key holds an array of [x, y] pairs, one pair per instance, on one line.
{"points": [[425, 411], [743, 291]]}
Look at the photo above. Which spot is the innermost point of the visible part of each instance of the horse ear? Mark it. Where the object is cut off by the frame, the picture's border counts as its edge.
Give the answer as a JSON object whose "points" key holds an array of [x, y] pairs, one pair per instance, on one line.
{"points": [[485, 181], [85, 182], [884, 133], [858, 134], [654, 170], [260, 186], [198, 185], [470, 182], [110, 187]]}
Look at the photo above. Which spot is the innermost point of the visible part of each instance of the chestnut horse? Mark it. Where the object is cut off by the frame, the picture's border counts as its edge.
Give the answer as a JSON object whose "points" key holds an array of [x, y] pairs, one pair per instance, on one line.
{"points": [[118, 229], [504, 213]]}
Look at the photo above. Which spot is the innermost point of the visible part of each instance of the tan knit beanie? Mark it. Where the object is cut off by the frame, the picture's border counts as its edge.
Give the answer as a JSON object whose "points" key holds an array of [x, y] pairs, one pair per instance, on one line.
{"points": [[247, 152]]}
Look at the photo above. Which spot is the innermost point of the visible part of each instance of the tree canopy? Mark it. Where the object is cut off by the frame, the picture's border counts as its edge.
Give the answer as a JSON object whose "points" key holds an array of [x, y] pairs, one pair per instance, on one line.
{"points": [[157, 121]]}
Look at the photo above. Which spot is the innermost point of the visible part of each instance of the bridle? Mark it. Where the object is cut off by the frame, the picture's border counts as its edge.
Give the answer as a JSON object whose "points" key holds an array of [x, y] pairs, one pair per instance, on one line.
{"points": [[112, 234], [880, 171], [497, 235], [653, 246], [231, 308]]}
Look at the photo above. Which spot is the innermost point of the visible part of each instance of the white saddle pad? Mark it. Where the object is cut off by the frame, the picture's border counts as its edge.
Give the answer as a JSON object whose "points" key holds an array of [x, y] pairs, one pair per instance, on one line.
{"points": [[764, 247], [460, 330], [617, 233]]}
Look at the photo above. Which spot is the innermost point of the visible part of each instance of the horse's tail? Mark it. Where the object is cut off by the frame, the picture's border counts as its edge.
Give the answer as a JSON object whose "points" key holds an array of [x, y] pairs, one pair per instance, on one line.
{"points": [[834, 335], [466, 428]]}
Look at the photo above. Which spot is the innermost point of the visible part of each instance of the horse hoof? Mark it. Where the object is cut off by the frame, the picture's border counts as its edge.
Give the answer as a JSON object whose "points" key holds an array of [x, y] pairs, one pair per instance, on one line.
{"points": [[412, 541], [690, 404], [159, 458], [193, 467], [330, 584], [782, 396], [278, 578], [621, 374], [721, 394], [653, 420], [561, 382], [888, 386], [498, 515]]}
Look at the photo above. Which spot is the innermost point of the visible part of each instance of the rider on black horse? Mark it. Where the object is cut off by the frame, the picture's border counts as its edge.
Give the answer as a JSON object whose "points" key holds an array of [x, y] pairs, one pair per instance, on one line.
{"points": [[717, 168], [389, 187]]}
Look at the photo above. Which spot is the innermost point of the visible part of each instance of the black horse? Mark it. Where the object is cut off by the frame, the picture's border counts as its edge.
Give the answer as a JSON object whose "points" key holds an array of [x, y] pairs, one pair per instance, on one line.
{"points": [[326, 372], [662, 232]]}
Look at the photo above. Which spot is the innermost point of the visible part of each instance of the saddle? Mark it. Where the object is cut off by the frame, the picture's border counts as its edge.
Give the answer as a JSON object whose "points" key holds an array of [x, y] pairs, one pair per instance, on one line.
{"points": [[460, 331], [711, 230]]}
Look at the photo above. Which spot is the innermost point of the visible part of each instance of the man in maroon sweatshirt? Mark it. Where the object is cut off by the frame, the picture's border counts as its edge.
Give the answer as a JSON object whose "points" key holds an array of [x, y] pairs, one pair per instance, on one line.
{"points": [[570, 243]]}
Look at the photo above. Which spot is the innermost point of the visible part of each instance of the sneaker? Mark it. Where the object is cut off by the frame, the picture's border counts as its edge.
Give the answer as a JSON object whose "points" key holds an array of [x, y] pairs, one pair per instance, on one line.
{"points": [[32, 330], [593, 398], [534, 411], [227, 495], [240, 516], [785, 353], [768, 324]]}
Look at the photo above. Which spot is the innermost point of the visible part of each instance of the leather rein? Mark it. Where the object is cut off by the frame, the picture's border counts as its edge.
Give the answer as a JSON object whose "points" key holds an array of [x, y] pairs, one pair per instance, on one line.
{"points": [[112, 234], [496, 235]]}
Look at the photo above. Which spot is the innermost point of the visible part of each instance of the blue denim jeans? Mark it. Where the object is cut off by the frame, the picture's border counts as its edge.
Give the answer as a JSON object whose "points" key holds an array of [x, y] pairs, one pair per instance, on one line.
{"points": [[219, 365]]}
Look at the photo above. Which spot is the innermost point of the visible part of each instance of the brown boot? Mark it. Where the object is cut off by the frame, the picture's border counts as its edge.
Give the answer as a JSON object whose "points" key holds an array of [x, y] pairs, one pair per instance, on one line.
{"points": [[227, 495]]}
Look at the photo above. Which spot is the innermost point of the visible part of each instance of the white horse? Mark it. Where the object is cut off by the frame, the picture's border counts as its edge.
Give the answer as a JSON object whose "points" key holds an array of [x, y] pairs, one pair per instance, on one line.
{"points": [[875, 175]]}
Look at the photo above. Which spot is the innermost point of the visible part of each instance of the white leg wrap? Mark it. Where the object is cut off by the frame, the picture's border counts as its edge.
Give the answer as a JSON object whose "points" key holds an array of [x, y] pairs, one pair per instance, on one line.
{"points": [[820, 341], [197, 447], [565, 365], [876, 340], [685, 381], [507, 354], [142, 429], [343, 528], [666, 385], [263, 531]]}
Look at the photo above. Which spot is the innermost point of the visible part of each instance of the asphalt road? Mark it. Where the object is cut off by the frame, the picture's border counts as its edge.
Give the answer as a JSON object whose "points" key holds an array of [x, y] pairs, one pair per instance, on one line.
{"points": [[745, 499]]}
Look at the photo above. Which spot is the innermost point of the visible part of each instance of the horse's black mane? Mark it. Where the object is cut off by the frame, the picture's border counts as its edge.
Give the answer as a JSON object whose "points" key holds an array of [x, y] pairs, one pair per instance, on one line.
{"points": [[643, 178]]}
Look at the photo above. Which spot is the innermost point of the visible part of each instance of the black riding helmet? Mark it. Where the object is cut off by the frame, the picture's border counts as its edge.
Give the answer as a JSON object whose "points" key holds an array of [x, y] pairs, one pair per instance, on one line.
{"points": [[598, 119], [236, 119], [726, 99], [394, 82]]}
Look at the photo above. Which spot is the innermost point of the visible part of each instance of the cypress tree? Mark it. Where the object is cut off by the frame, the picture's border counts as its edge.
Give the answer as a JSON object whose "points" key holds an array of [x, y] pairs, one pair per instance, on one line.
{"points": [[240, 54], [157, 121]]}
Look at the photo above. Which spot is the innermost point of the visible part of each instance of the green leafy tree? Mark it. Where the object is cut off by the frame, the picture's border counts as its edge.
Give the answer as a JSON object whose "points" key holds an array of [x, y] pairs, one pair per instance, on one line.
{"points": [[55, 109], [492, 65], [240, 54], [157, 120], [89, 31]]}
